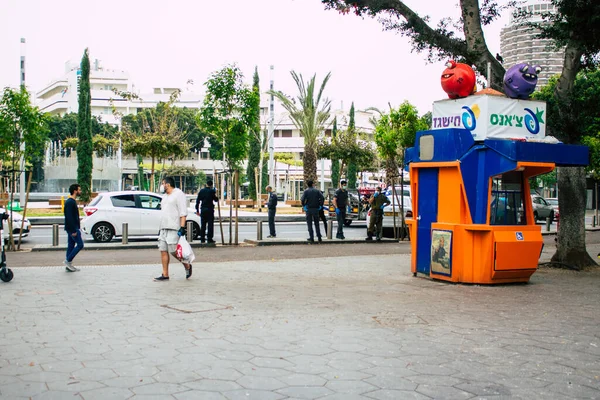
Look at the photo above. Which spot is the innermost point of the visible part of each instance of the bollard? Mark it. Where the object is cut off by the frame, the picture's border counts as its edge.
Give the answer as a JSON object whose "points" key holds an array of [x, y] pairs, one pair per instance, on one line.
{"points": [[55, 235], [190, 231], [330, 229], [258, 230], [548, 223], [594, 221], [125, 235]]}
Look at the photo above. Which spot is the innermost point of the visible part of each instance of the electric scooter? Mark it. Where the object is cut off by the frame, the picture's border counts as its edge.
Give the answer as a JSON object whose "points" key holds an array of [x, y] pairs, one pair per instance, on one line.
{"points": [[6, 273]]}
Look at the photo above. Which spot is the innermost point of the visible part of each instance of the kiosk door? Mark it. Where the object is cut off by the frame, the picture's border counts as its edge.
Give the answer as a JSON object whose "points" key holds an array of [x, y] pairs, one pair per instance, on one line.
{"points": [[427, 213]]}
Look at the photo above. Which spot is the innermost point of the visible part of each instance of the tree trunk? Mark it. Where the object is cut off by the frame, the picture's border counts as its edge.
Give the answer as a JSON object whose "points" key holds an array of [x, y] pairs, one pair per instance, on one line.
{"points": [[309, 160], [152, 176], [571, 248]]}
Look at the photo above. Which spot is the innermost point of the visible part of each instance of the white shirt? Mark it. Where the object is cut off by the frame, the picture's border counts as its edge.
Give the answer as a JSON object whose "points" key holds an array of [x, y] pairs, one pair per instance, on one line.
{"points": [[173, 207]]}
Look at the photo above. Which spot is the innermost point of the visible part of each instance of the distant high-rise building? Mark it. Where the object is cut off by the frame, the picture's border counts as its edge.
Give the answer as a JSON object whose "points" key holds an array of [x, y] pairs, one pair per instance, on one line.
{"points": [[519, 43]]}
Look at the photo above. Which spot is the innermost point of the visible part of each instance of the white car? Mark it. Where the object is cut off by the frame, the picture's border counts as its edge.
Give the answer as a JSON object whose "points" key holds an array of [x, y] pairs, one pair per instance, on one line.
{"points": [[388, 214], [17, 220], [105, 215]]}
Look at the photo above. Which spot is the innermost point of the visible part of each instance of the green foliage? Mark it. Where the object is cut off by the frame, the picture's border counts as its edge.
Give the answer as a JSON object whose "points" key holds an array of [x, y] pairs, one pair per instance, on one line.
{"points": [[228, 115], [309, 113], [254, 150], [84, 131], [286, 158], [335, 163], [352, 171], [103, 146], [265, 168]]}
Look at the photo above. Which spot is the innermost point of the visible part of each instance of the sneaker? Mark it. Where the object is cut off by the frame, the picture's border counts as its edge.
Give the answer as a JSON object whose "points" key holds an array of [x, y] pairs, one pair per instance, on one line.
{"points": [[188, 272], [311, 241], [271, 237], [378, 239], [69, 266], [210, 241], [202, 241], [320, 240], [162, 278], [369, 239]]}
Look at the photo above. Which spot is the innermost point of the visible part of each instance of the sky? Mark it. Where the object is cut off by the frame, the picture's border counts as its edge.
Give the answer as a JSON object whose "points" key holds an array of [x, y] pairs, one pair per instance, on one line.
{"points": [[168, 43]]}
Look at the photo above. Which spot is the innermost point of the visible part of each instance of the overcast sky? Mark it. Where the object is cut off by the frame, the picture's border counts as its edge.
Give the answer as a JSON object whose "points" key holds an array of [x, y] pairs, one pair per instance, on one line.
{"points": [[166, 43]]}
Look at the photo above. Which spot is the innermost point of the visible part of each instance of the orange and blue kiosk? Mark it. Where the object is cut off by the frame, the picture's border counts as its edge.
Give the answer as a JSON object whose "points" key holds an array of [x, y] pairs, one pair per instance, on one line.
{"points": [[472, 211]]}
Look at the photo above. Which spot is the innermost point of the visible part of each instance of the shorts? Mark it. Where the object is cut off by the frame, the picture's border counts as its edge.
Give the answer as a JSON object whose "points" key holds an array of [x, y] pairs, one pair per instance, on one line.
{"points": [[167, 240]]}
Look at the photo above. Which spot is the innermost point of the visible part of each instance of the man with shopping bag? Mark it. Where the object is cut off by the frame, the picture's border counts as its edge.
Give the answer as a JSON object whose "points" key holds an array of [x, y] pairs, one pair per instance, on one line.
{"points": [[172, 229]]}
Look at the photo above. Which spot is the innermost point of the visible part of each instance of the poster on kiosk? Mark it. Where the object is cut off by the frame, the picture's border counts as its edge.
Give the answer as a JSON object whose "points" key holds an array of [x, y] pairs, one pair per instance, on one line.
{"points": [[492, 117]]}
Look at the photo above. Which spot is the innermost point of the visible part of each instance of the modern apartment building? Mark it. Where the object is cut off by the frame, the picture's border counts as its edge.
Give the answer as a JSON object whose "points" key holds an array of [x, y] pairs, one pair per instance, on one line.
{"points": [[519, 43]]}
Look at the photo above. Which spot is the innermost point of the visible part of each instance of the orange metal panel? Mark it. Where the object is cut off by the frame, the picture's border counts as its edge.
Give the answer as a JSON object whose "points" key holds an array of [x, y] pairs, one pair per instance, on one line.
{"points": [[514, 254]]}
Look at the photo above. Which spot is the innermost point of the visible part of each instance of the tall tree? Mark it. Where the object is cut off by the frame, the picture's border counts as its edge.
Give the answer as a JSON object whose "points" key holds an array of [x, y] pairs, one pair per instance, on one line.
{"points": [[352, 136], [85, 163], [255, 139], [309, 114], [574, 26], [335, 163]]}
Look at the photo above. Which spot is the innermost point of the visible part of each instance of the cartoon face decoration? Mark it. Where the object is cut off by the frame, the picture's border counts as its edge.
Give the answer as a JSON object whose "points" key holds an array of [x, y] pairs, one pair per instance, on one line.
{"points": [[458, 80], [520, 80]]}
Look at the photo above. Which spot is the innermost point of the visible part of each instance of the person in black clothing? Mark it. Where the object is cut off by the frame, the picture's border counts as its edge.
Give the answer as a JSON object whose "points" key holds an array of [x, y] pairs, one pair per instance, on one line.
{"points": [[272, 206], [340, 202], [207, 196], [322, 217], [312, 201], [75, 242]]}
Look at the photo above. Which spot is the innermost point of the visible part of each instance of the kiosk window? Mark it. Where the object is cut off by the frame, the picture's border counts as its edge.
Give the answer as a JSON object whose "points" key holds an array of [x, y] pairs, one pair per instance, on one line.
{"points": [[506, 204]]}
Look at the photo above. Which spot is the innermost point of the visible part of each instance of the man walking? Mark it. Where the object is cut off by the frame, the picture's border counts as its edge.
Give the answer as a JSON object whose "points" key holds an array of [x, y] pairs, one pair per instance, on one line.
{"points": [[207, 196], [340, 202], [172, 225], [75, 242], [312, 201], [378, 202], [272, 206]]}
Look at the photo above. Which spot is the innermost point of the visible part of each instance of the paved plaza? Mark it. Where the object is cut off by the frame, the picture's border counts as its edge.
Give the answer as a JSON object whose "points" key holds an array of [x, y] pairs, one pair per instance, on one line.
{"points": [[358, 327]]}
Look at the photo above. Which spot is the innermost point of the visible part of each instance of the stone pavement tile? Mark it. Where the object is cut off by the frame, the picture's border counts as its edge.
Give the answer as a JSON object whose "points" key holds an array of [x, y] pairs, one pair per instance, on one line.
{"points": [[175, 376], [440, 380], [74, 385], [574, 391], [197, 395], [52, 395], [348, 347], [485, 388], [391, 382], [21, 369], [93, 374], [271, 362], [45, 376], [228, 374], [26, 389], [6, 379], [350, 364], [302, 380], [106, 393], [335, 374], [431, 369], [390, 362], [350, 387], [345, 355], [152, 397], [386, 394], [128, 381], [233, 355], [443, 392], [344, 396], [258, 352], [260, 383], [247, 394], [213, 385], [134, 368], [253, 370], [570, 379], [159, 388], [81, 357], [305, 392]]}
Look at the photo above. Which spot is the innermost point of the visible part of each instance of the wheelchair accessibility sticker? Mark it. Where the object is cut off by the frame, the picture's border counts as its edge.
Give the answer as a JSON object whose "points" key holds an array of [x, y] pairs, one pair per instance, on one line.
{"points": [[519, 235]]}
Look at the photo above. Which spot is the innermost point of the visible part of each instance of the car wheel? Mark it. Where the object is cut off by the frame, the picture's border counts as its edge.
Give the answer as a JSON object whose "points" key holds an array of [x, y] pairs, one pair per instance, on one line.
{"points": [[103, 232], [348, 222], [535, 216], [195, 231]]}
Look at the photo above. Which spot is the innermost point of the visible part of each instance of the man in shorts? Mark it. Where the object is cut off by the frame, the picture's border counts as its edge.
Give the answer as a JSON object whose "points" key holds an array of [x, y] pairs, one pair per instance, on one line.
{"points": [[172, 225]]}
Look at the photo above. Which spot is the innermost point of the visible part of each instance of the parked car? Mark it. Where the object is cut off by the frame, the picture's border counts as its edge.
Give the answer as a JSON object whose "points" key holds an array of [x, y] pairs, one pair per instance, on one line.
{"points": [[105, 215], [388, 215], [17, 220], [541, 208], [553, 201]]}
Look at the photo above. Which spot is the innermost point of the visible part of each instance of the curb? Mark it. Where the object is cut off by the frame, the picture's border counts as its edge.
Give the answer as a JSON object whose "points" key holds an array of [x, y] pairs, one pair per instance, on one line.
{"points": [[284, 242], [110, 246], [264, 218]]}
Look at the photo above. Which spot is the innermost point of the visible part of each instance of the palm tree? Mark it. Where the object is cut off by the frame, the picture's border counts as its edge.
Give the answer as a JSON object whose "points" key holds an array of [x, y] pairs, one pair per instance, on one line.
{"points": [[309, 116]]}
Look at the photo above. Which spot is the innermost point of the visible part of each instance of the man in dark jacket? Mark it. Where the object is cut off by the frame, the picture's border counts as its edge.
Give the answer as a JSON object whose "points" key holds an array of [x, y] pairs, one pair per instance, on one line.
{"points": [[272, 206], [340, 202], [312, 201], [207, 196], [75, 242]]}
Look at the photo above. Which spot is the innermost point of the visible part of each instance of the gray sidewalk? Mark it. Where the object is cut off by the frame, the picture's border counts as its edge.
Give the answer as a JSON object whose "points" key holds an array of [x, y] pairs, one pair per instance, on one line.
{"points": [[337, 328]]}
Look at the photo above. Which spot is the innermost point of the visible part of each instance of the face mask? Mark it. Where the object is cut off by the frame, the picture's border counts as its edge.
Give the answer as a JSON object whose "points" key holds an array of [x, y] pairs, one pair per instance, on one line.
{"points": [[344, 187], [162, 189], [376, 194]]}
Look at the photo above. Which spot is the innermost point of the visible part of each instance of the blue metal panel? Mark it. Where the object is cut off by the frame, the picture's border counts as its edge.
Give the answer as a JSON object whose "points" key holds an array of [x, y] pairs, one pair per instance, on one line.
{"points": [[469, 168], [560, 154], [427, 214], [448, 145]]}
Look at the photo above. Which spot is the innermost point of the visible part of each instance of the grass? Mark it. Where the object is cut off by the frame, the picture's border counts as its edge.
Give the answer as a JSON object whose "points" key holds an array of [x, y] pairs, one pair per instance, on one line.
{"points": [[44, 212], [57, 212]]}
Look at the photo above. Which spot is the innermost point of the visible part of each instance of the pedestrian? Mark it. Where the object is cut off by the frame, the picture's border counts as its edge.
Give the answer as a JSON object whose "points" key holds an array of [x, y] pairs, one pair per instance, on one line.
{"points": [[322, 216], [207, 195], [74, 240], [172, 225], [340, 202], [272, 207], [312, 201], [377, 202]]}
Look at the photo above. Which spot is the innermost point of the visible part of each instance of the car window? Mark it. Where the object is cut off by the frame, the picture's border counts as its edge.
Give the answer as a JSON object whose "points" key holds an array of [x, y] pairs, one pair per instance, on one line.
{"points": [[124, 200], [552, 202], [147, 201], [543, 202], [95, 200]]}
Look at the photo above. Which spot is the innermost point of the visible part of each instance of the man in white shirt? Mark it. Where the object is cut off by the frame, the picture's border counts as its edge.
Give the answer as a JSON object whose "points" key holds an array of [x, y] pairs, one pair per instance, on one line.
{"points": [[172, 225]]}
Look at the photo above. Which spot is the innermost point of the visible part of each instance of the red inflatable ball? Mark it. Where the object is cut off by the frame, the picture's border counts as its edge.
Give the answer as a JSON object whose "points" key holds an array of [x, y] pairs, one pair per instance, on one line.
{"points": [[458, 80]]}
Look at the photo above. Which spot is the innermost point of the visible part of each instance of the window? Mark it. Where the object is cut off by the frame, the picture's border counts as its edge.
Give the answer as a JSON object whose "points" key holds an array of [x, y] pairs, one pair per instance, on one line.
{"points": [[328, 132], [276, 133], [124, 200], [286, 133], [147, 201], [506, 204]]}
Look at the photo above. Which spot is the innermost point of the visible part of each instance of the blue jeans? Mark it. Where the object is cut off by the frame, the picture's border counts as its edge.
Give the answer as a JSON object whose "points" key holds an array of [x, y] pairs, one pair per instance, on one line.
{"points": [[72, 250]]}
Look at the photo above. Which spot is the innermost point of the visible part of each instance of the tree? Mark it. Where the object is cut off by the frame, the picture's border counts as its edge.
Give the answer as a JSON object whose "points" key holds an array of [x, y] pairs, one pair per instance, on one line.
{"points": [[85, 163], [335, 163], [574, 26], [309, 113], [352, 167], [155, 133], [23, 133], [255, 146]]}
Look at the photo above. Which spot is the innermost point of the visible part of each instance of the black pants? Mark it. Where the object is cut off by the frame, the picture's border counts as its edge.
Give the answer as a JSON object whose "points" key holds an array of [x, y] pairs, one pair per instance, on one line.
{"points": [[272, 221], [312, 216], [341, 218], [207, 220], [324, 219]]}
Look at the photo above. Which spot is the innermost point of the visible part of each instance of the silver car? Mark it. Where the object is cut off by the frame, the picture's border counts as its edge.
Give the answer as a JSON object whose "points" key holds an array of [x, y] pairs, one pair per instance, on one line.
{"points": [[541, 208]]}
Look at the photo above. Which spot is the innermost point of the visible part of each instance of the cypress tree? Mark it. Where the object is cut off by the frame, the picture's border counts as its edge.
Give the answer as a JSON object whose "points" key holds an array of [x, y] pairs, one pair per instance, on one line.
{"points": [[352, 167], [254, 142], [84, 131], [335, 163], [265, 168]]}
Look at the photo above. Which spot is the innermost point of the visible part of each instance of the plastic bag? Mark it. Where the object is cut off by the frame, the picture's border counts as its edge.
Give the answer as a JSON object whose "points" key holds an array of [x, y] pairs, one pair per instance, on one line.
{"points": [[184, 252]]}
